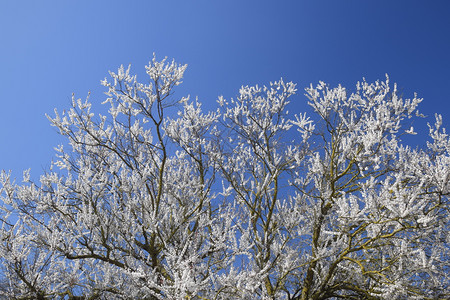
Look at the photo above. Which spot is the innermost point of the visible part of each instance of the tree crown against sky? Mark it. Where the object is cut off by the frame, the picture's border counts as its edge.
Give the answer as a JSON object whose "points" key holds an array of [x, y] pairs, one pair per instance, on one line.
{"points": [[244, 202]]}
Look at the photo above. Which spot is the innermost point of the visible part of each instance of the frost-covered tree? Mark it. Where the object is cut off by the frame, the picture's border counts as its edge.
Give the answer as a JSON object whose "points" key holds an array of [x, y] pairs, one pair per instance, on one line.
{"points": [[160, 200]]}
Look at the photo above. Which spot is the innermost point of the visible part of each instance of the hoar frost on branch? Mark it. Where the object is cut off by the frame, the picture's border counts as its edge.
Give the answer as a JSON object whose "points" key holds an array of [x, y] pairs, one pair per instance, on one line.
{"points": [[244, 202]]}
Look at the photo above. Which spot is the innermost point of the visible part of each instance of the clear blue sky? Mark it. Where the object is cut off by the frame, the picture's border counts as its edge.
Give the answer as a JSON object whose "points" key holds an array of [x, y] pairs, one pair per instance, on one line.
{"points": [[49, 49]]}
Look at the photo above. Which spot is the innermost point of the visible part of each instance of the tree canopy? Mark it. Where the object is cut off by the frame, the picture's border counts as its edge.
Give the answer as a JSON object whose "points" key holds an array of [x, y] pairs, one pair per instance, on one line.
{"points": [[158, 199]]}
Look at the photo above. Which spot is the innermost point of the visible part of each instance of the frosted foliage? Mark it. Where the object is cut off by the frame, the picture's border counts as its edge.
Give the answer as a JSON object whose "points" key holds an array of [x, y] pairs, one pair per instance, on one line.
{"points": [[159, 199]]}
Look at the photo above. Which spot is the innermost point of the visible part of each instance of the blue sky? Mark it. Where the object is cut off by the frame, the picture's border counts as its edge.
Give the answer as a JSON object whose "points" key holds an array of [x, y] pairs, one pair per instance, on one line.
{"points": [[49, 49]]}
